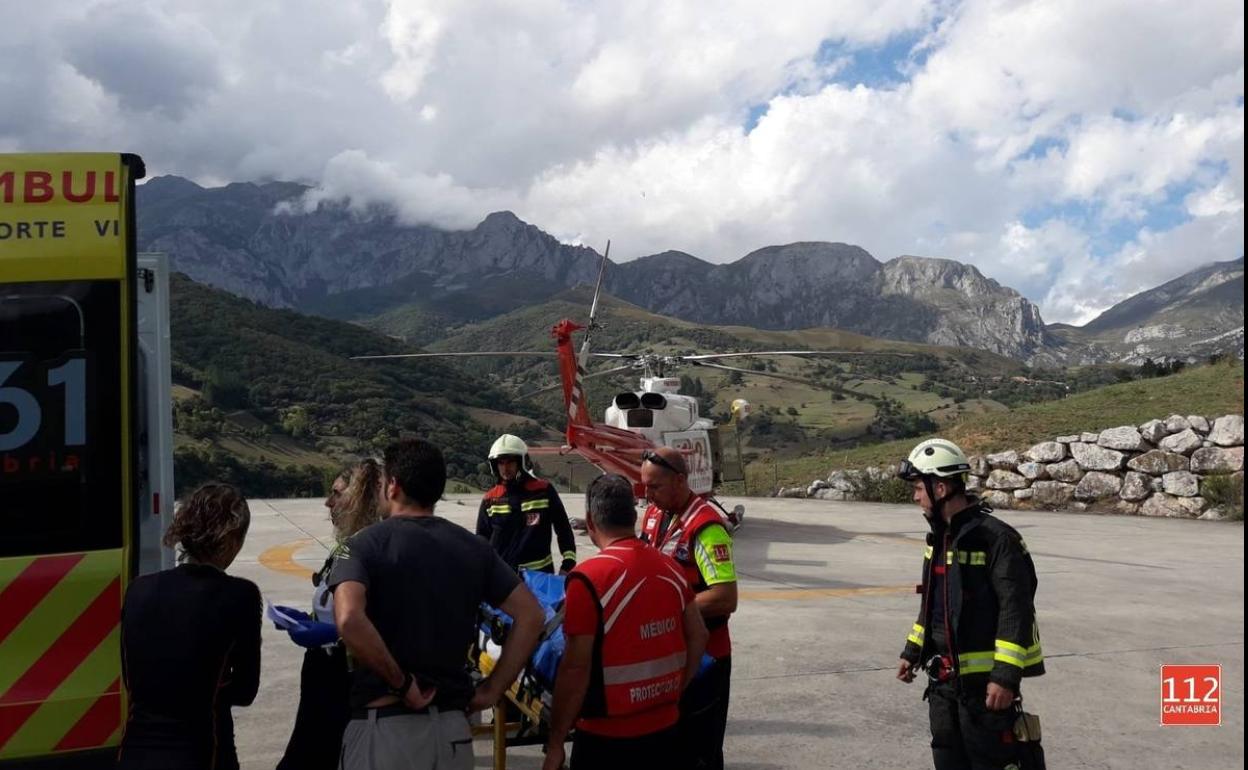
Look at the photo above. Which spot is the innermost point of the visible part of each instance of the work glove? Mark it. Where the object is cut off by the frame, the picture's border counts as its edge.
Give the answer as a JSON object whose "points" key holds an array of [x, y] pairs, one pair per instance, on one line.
{"points": [[313, 633], [704, 666]]}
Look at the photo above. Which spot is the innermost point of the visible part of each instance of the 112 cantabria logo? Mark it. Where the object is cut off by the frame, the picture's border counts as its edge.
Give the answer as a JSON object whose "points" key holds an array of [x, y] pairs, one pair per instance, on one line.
{"points": [[1191, 695]]}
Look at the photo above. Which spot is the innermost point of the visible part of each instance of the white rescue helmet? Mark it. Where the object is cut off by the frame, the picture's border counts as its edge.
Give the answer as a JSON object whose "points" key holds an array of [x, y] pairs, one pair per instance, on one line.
{"points": [[935, 457], [508, 445]]}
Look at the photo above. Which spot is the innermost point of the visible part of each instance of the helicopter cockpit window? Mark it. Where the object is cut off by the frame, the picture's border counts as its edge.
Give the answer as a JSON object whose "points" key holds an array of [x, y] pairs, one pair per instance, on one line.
{"points": [[640, 418], [653, 401], [626, 401]]}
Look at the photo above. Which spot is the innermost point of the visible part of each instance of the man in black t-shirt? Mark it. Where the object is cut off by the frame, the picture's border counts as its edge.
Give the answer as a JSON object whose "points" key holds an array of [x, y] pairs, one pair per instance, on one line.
{"points": [[406, 592]]}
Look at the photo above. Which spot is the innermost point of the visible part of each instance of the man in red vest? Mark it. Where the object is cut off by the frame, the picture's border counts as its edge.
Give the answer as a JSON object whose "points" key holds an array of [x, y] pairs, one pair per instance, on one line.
{"points": [[687, 527], [634, 641]]}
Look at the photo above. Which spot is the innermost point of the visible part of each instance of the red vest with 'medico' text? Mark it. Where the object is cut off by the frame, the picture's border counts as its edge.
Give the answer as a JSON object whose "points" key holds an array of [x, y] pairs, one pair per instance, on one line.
{"points": [[639, 649]]}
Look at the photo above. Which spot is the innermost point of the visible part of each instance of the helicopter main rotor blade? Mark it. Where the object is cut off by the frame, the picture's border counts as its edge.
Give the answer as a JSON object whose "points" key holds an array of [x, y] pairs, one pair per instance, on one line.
{"points": [[602, 271], [478, 354], [774, 375], [590, 376], [789, 378], [474, 354], [821, 386], [708, 356]]}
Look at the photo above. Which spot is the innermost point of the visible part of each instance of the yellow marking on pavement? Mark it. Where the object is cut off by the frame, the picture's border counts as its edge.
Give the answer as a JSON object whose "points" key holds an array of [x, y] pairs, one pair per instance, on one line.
{"points": [[781, 594], [281, 558]]}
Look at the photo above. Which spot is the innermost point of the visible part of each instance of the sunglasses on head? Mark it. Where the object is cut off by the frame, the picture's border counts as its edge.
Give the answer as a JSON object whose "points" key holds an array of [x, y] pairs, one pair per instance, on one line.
{"points": [[654, 457]]}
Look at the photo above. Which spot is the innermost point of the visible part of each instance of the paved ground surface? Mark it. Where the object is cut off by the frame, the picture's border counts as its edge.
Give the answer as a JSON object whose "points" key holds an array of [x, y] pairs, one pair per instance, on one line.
{"points": [[827, 599]]}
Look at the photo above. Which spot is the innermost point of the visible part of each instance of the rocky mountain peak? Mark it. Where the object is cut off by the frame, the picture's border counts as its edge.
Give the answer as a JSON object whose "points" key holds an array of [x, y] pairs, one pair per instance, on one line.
{"points": [[836, 261], [918, 275], [672, 257], [169, 187], [1198, 314], [332, 262], [502, 221]]}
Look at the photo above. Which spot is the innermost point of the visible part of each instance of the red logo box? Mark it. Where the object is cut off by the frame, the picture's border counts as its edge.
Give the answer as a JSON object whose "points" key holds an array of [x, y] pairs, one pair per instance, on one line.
{"points": [[1191, 695]]}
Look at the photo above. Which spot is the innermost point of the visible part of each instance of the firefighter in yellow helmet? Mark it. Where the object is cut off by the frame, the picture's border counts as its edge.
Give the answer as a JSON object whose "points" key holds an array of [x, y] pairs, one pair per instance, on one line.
{"points": [[976, 634], [519, 512]]}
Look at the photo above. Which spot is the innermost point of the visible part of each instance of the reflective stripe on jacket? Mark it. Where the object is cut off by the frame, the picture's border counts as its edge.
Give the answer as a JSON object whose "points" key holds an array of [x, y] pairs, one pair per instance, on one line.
{"points": [[678, 542], [639, 649], [991, 583], [518, 519]]}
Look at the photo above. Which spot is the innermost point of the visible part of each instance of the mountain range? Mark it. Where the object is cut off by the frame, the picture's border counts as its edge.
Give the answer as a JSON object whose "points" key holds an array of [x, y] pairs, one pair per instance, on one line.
{"points": [[255, 241], [1198, 314]]}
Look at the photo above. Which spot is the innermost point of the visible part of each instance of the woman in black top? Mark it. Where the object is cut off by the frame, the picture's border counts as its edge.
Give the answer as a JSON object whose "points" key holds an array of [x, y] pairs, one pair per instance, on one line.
{"points": [[325, 681], [190, 641]]}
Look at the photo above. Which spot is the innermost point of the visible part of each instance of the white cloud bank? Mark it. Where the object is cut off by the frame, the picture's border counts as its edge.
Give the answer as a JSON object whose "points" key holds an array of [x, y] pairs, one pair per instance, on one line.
{"points": [[1077, 151]]}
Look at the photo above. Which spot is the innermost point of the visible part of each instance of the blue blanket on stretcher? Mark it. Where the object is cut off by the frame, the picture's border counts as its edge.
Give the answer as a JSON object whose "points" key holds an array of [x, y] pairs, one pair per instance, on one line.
{"points": [[549, 590]]}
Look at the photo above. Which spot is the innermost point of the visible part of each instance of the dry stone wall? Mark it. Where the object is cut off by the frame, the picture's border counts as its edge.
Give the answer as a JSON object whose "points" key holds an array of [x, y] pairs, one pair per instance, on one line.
{"points": [[1161, 468]]}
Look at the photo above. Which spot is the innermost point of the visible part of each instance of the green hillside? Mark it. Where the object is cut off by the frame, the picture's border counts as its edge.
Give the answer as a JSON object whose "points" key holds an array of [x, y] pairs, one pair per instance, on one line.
{"points": [[1209, 390], [269, 398], [818, 404]]}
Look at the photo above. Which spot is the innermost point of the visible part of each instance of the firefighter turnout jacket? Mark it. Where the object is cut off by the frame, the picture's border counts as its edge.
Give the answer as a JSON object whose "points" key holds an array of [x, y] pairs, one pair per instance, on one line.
{"points": [[989, 587], [700, 544], [517, 518], [632, 599]]}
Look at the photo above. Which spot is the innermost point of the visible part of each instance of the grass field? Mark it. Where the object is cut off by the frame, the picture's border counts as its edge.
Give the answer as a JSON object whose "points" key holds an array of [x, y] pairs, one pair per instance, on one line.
{"points": [[1207, 390]]}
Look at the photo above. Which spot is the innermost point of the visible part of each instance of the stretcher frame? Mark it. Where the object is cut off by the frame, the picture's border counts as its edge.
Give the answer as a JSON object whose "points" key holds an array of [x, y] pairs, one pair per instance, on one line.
{"points": [[524, 695]]}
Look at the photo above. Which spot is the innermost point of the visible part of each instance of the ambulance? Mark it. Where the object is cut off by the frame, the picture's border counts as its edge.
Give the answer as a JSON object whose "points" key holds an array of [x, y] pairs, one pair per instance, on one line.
{"points": [[86, 477]]}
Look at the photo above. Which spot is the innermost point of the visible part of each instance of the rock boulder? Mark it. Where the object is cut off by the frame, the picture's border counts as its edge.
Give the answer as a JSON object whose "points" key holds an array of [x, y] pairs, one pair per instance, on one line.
{"points": [[1218, 460], [1158, 462], [1098, 485], [1052, 494], [1125, 438], [1047, 452], [1183, 442], [1228, 430], [1096, 458], [1181, 484]]}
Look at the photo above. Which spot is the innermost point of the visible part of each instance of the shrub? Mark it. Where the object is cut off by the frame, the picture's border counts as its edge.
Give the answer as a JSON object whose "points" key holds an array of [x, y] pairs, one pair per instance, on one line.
{"points": [[1225, 490], [873, 488]]}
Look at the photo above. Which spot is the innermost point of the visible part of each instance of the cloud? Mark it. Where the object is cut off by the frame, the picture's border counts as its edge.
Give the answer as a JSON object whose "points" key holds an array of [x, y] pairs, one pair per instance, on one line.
{"points": [[1084, 287], [168, 72], [1069, 149], [362, 183]]}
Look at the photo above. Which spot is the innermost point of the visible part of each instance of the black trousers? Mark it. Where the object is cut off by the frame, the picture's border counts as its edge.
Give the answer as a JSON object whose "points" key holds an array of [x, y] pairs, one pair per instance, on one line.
{"points": [[174, 759], [704, 717], [324, 686], [965, 734], [656, 751]]}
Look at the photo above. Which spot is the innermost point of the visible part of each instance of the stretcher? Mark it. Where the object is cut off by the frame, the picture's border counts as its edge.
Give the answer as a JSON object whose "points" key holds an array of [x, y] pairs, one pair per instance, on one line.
{"points": [[522, 718]]}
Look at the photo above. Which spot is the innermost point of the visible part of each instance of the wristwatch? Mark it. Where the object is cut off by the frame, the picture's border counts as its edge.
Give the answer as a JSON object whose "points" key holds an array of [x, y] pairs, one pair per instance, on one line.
{"points": [[401, 690]]}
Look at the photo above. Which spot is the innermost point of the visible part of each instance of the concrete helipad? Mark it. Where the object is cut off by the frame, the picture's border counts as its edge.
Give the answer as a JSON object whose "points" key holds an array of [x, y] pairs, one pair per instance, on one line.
{"points": [[827, 599]]}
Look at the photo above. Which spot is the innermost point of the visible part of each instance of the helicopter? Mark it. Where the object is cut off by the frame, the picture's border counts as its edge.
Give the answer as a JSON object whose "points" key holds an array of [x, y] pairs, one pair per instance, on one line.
{"points": [[656, 414]]}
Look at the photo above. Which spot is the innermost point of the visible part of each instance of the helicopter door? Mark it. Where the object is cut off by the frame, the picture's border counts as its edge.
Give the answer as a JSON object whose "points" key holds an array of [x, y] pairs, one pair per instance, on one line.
{"points": [[726, 453]]}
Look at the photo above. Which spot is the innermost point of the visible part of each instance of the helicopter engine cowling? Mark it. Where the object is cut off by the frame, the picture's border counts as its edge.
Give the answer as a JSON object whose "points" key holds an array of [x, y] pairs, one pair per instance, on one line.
{"points": [[653, 414]]}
